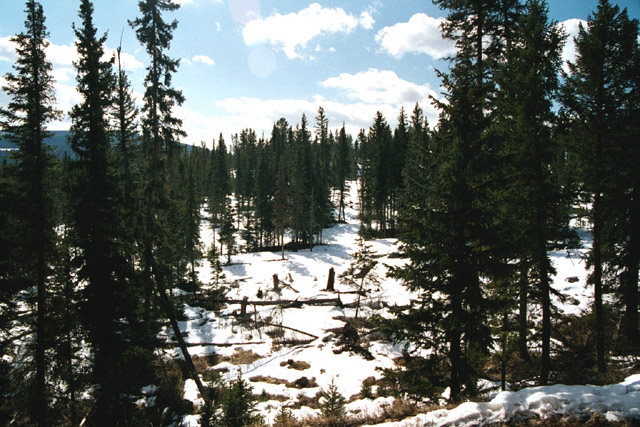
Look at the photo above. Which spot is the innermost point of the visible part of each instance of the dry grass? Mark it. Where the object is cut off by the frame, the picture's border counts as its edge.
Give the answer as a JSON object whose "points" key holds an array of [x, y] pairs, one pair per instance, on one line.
{"points": [[595, 420], [302, 382], [296, 364], [241, 357]]}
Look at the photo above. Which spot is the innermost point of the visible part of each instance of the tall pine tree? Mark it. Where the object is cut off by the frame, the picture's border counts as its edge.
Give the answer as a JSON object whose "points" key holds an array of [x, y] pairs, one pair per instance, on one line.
{"points": [[23, 122], [598, 97]]}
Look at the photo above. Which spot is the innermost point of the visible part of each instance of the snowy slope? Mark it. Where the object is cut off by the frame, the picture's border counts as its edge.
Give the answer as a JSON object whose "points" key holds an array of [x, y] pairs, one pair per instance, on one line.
{"points": [[305, 276]]}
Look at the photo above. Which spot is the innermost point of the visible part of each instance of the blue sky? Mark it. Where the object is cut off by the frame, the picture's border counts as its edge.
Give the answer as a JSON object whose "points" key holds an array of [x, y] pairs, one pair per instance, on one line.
{"points": [[246, 63]]}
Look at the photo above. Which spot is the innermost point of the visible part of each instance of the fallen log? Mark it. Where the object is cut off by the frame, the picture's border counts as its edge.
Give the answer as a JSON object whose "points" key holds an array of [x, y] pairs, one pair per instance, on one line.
{"points": [[284, 303], [216, 344]]}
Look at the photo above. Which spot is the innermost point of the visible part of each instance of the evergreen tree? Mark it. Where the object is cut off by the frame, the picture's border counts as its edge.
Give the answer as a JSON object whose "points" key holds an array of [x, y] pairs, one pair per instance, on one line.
{"points": [[377, 171], [94, 218], [220, 183], [399, 153], [30, 108], [281, 204], [160, 133], [124, 117], [343, 168], [598, 99], [361, 274], [302, 185], [192, 243], [528, 82], [265, 191], [227, 230], [448, 243]]}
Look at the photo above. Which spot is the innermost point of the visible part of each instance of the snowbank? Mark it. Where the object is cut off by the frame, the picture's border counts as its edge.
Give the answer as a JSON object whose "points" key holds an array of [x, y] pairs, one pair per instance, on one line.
{"points": [[617, 402]]}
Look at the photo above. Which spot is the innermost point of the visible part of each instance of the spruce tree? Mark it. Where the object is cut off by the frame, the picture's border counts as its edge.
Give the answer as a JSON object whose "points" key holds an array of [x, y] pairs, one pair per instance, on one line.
{"points": [[598, 99], [30, 108], [524, 117], [448, 230], [281, 205], [161, 131], [95, 214], [302, 185], [343, 169]]}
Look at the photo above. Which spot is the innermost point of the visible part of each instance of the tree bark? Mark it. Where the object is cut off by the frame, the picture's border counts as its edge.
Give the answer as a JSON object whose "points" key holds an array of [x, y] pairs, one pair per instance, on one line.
{"points": [[631, 274], [596, 279], [168, 309]]}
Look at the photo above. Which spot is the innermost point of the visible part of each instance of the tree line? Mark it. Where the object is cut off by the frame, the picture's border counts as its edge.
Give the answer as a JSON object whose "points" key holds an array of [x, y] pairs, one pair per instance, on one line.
{"points": [[92, 244], [522, 147]]}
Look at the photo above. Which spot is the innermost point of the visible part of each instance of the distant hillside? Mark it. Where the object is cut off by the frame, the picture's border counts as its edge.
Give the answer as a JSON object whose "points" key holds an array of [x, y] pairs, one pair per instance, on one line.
{"points": [[58, 141]]}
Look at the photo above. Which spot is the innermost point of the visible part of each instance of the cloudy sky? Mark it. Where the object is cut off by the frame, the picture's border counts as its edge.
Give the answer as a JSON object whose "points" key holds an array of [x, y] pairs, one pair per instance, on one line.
{"points": [[246, 63]]}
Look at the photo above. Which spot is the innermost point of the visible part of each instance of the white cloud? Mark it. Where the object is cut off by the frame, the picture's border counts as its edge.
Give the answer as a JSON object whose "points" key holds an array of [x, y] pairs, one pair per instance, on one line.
{"points": [[366, 93], [294, 30], [366, 20], [129, 62], [571, 27], [204, 59], [420, 35], [7, 49], [380, 87]]}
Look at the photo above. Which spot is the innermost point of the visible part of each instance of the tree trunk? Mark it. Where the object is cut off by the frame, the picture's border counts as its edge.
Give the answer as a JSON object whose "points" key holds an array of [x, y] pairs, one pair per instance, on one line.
{"points": [[631, 274], [522, 315], [168, 309], [331, 280], [596, 279]]}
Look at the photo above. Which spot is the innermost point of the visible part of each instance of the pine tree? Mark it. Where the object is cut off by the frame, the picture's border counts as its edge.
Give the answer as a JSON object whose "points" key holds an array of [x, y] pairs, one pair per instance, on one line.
{"points": [[448, 244], [301, 185], [528, 83], [227, 230], [265, 191], [124, 117], [192, 243], [598, 99], [377, 171], [94, 218], [343, 169], [30, 108], [361, 274], [399, 153], [160, 132], [220, 183], [281, 204]]}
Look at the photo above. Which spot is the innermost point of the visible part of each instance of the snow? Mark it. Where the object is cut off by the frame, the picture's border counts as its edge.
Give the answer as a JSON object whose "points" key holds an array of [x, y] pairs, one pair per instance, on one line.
{"points": [[617, 402], [304, 274]]}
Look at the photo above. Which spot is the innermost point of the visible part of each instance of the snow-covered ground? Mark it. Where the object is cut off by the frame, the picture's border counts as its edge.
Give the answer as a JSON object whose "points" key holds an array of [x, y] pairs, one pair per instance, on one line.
{"points": [[272, 369]]}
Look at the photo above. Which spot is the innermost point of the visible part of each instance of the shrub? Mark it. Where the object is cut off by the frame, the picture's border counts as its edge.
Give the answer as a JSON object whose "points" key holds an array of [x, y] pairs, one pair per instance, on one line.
{"points": [[333, 405], [285, 418], [235, 406]]}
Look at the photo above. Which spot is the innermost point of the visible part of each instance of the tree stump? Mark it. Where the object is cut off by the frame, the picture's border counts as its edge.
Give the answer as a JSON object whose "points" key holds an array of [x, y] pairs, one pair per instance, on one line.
{"points": [[243, 306], [331, 280], [276, 283]]}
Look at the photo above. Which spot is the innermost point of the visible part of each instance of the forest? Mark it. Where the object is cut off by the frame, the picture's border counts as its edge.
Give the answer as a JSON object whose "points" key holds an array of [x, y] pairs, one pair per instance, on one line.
{"points": [[94, 244]]}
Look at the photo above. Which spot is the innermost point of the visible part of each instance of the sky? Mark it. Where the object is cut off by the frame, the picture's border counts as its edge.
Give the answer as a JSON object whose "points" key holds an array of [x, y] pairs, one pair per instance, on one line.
{"points": [[247, 63]]}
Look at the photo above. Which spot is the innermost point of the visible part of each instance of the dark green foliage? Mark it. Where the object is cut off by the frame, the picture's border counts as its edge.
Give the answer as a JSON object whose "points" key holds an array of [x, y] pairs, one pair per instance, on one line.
{"points": [[227, 230], [234, 405], [531, 219], [23, 122], [376, 177], [301, 192], [95, 224], [343, 159], [333, 404], [600, 97], [415, 378]]}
